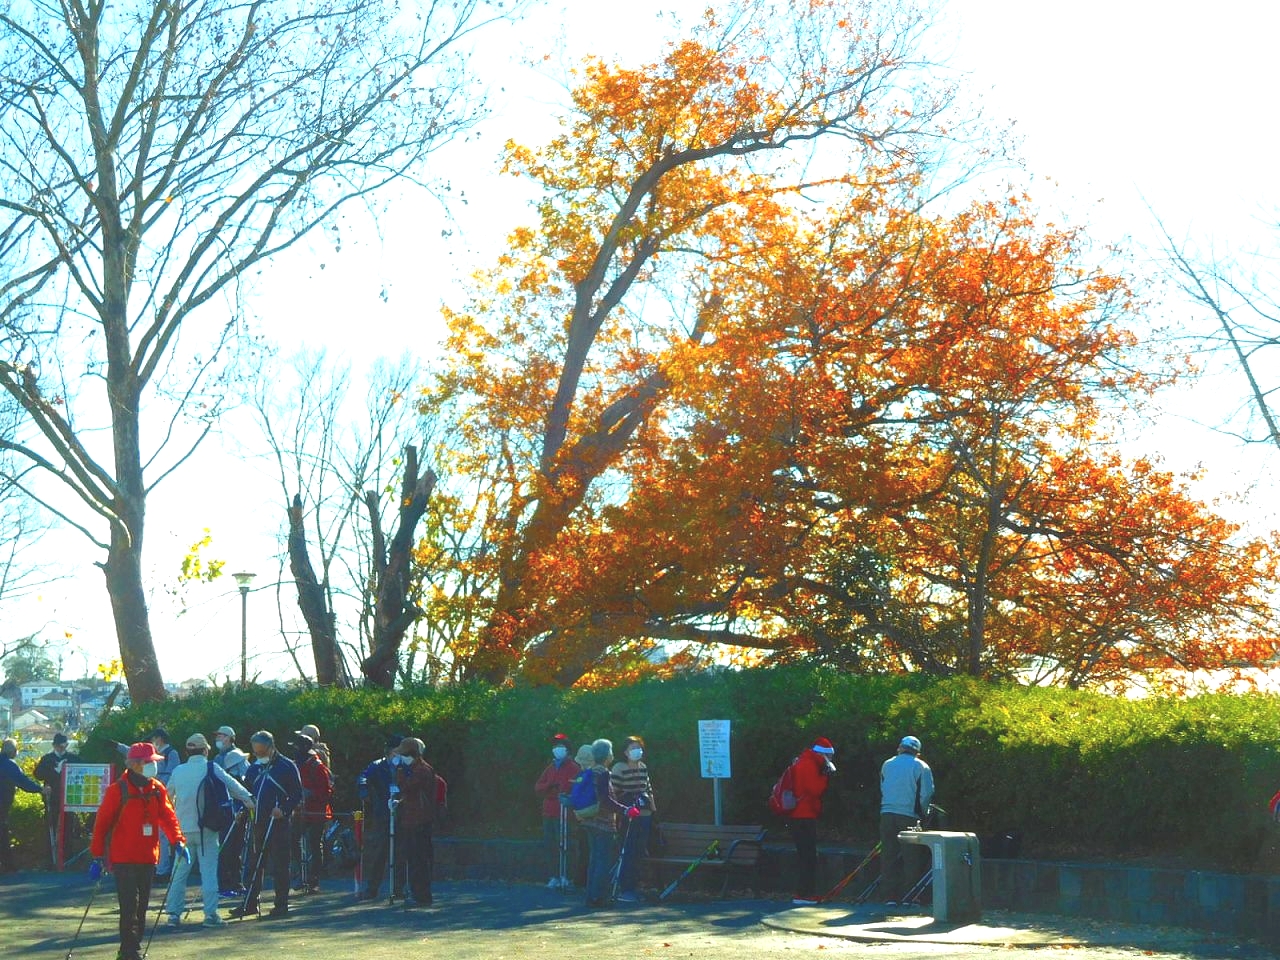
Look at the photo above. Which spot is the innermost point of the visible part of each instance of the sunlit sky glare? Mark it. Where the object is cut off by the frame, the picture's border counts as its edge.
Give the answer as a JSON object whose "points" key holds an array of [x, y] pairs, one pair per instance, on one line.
{"points": [[1120, 109]]}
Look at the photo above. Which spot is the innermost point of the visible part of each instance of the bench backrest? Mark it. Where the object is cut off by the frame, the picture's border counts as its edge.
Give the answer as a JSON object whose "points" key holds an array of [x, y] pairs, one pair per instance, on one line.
{"points": [[691, 840]]}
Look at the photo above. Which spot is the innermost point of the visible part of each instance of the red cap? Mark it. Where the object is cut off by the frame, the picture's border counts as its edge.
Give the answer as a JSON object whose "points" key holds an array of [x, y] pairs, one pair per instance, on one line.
{"points": [[560, 738], [144, 752]]}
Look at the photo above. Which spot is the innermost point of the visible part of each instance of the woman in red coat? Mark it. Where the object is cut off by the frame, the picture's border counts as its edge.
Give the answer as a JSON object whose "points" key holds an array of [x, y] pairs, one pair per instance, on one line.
{"points": [[135, 810], [810, 774]]}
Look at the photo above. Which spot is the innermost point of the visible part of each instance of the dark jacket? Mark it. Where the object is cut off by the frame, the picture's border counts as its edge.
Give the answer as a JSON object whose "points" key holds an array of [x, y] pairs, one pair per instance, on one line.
{"points": [[374, 787], [11, 779], [274, 784], [49, 772]]}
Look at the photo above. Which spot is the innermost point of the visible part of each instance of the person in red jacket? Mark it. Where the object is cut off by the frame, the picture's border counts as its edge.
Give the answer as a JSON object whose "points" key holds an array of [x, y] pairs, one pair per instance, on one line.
{"points": [[811, 772], [135, 810], [313, 812], [556, 781]]}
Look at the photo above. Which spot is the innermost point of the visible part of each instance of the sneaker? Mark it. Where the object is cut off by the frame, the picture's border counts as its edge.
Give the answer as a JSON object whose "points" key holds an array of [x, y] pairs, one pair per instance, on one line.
{"points": [[276, 913], [803, 902], [628, 898], [891, 903], [553, 883], [238, 913], [173, 922], [214, 921]]}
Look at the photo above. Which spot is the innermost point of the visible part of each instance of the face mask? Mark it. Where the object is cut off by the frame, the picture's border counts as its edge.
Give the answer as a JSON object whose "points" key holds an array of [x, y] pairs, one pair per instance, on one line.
{"points": [[559, 752], [262, 760], [149, 770], [223, 745], [634, 754]]}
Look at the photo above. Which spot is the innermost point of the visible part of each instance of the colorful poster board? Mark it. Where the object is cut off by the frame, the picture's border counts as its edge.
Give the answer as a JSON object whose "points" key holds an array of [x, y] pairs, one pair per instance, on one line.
{"points": [[84, 785]]}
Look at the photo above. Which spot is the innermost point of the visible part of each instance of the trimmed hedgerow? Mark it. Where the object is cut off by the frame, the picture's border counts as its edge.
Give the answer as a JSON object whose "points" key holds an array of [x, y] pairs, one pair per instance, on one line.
{"points": [[1077, 773]]}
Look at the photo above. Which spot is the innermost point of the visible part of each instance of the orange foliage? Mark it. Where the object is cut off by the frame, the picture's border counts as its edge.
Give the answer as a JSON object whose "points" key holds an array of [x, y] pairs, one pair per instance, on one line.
{"points": [[709, 403]]}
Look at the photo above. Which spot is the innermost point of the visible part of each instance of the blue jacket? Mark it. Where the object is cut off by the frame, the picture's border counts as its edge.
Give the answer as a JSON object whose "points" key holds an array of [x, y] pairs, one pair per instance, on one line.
{"points": [[374, 786], [11, 779], [274, 784]]}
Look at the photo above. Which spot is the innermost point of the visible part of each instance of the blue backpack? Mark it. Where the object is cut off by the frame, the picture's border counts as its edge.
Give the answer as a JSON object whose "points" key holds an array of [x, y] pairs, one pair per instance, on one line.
{"points": [[582, 796]]}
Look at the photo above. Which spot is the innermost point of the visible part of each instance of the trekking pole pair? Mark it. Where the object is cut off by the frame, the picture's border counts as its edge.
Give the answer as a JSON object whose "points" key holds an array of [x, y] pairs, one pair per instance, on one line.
{"points": [[564, 847], [831, 894], [255, 878]]}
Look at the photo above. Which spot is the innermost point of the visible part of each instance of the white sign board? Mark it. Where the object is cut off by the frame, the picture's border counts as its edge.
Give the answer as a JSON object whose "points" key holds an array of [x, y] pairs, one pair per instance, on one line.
{"points": [[713, 749]]}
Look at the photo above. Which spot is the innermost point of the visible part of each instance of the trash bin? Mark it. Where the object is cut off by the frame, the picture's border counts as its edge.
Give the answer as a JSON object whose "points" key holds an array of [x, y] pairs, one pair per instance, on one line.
{"points": [[957, 873]]}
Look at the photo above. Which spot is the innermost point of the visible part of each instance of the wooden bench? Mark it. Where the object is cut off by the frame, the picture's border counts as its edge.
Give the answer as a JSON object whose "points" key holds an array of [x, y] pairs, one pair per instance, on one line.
{"points": [[683, 843]]}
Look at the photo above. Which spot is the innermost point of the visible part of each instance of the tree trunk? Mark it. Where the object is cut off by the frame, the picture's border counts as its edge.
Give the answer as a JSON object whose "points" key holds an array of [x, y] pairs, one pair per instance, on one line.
{"points": [[311, 600], [124, 555], [123, 571], [393, 610]]}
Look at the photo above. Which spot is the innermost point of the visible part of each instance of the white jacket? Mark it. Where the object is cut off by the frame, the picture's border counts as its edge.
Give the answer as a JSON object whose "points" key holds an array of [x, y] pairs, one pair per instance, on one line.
{"points": [[184, 790]]}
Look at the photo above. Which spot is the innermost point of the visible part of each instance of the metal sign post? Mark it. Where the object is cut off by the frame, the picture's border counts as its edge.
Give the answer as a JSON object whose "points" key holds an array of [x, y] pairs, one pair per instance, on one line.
{"points": [[713, 758]]}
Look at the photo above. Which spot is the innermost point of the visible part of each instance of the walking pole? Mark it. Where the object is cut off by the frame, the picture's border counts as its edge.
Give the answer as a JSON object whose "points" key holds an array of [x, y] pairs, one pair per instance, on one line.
{"points": [[831, 894], [915, 893], [564, 847], [711, 852], [255, 877], [304, 848], [92, 893], [393, 802], [865, 895], [622, 854], [163, 900], [246, 849]]}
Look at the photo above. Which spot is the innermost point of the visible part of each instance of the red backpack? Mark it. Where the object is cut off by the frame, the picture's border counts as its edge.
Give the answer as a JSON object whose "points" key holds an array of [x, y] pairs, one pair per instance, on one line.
{"points": [[782, 798]]}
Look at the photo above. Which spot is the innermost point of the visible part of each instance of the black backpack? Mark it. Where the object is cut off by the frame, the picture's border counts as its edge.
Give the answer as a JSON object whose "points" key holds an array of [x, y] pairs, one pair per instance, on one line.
{"points": [[213, 803]]}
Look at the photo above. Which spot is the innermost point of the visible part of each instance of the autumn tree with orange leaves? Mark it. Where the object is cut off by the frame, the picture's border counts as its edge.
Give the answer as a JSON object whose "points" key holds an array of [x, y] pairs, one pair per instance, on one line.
{"points": [[739, 389]]}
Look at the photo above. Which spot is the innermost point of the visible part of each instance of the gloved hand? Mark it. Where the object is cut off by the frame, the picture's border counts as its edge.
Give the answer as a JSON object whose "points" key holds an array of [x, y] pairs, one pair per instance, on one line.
{"points": [[95, 871], [633, 812], [184, 853]]}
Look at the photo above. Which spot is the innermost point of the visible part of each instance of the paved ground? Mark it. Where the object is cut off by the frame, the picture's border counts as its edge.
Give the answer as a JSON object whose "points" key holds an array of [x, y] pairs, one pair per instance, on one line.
{"points": [[39, 913]]}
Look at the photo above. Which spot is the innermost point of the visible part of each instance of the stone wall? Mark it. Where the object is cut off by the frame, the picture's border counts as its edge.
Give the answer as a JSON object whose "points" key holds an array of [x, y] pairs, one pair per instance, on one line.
{"points": [[1247, 906]]}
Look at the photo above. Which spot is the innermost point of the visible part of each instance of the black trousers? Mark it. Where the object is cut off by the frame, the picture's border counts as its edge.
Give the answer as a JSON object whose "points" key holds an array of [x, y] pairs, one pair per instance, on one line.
{"points": [[275, 864], [309, 849], [133, 892], [6, 851], [420, 853], [231, 857], [373, 857], [805, 834]]}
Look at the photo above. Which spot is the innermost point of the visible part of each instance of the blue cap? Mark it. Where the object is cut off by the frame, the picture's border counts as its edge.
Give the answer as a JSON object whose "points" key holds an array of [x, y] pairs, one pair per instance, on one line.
{"points": [[910, 743]]}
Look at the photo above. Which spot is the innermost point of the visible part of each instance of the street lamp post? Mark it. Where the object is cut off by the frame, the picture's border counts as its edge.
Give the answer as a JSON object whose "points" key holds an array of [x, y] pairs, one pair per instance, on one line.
{"points": [[244, 579]]}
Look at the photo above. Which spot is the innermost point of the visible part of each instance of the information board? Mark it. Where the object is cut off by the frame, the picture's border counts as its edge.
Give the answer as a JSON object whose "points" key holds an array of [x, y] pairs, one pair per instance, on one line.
{"points": [[84, 785], [713, 749]]}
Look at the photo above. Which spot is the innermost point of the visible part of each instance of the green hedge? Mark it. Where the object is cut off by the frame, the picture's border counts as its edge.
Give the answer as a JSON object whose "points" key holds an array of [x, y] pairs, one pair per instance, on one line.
{"points": [[1080, 774]]}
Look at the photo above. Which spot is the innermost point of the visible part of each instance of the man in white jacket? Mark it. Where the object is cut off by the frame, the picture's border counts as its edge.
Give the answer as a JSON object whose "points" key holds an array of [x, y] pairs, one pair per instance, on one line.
{"points": [[185, 786]]}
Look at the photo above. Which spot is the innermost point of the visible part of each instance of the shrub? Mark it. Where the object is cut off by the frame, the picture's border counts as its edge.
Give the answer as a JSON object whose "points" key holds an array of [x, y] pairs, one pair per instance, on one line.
{"points": [[1078, 773]]}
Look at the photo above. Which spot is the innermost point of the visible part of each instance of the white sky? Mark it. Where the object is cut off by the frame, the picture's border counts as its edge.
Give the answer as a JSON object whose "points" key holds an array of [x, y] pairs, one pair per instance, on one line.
{"points": [[1118, 105]]}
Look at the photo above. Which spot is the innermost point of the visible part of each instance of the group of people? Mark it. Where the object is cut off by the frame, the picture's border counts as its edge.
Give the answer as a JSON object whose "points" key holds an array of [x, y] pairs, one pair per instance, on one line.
{"points": [[906, 794], [240, 818], [606, 805], [611, 800], [244, 818]]}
